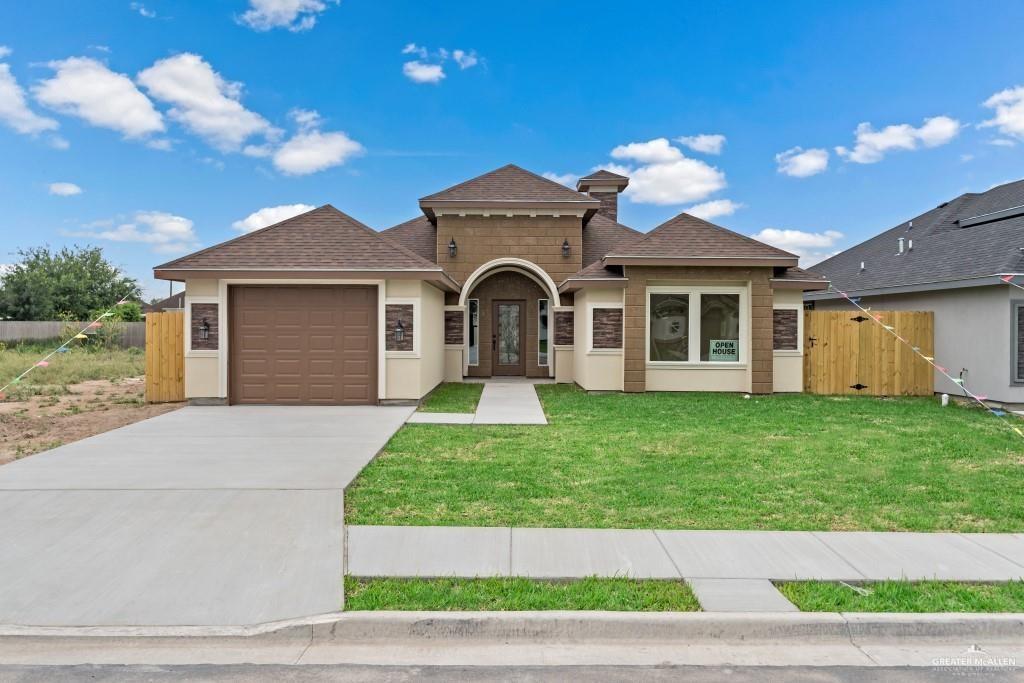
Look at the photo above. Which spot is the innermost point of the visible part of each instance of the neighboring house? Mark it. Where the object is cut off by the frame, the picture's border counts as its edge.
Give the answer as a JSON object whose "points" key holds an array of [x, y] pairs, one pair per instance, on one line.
{"points": [[175, 302], [950, 260], [505, 274]]}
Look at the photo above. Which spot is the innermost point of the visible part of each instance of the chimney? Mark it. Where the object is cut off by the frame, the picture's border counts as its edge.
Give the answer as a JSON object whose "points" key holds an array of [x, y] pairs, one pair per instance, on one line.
{"points": [[604, 186]]}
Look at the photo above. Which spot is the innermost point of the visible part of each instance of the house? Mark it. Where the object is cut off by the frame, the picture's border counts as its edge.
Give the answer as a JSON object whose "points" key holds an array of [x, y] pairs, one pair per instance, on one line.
{"points": [[175, 302], [950, 260], [505, 274]]}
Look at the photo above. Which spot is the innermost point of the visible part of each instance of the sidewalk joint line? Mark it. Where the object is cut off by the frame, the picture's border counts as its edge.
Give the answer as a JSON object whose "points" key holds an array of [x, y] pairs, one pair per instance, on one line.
{"points": [[994, 552], [835, 552], [668, 554]]}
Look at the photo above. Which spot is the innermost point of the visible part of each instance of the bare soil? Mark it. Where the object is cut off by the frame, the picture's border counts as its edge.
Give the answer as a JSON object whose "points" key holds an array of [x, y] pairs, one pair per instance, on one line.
{"points": [[93, 407]]}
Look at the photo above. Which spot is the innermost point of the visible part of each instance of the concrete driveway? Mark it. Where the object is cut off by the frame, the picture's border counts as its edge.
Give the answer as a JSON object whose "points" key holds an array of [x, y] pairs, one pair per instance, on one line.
{"points": [[203, 516]]}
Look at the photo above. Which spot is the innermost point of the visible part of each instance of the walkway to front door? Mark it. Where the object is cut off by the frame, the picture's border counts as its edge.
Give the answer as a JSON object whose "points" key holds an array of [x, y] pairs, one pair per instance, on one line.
{"points": [[502, 403]]}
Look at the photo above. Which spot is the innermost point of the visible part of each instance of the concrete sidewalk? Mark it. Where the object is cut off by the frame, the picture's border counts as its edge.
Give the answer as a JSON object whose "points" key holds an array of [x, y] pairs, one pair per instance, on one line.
{"points": [[639, 553], [502, 403]]}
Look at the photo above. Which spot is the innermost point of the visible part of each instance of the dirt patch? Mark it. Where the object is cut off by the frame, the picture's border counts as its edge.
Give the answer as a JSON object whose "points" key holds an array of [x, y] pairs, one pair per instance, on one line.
{"points": [[43, 422]]}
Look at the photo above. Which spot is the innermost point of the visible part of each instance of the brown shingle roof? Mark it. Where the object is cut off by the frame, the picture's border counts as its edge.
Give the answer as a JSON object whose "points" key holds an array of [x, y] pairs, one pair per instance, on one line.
{"points": [[687, 236], [321, 239], [418, 235], [604, 175], [508, 184], [601, 234]]}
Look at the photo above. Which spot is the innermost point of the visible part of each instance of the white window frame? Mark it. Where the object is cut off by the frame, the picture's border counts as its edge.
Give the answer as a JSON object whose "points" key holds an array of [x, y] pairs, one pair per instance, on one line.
{"points": [[417, 330], [590, 330], [547, 317], [469, 326], [187, 324], [799, 350], [693, 326]]}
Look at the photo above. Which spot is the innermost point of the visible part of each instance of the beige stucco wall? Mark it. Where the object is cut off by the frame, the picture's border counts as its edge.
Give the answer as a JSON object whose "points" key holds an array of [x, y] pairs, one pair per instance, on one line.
{"points": [[453, 362], [788, 366], [599, 370], [202, 369], [563, 365], [411, 377], [432, 354], [972, 332]]}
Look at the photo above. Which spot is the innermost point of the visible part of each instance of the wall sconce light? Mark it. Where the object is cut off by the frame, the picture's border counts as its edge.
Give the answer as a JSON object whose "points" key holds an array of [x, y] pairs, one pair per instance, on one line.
{"points": [[204, 330], [399, 331], [565, 248], [452, 248]]}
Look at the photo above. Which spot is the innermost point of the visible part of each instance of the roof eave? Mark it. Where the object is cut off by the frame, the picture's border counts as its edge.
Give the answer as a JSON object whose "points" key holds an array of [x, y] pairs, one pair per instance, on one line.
{"points": [[803, 285], [573, 284], [933, 286], [262, 273], [739, 261]]}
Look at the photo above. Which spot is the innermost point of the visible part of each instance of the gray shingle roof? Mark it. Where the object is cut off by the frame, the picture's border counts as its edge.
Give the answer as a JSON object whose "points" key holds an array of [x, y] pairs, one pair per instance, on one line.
{"points": [[942, 250]]}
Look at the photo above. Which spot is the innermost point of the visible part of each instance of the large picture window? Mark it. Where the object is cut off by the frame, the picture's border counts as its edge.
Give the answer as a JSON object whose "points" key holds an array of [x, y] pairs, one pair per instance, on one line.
{"points": [[474, 331], [696, 325], [542, 332], [670, 327]]}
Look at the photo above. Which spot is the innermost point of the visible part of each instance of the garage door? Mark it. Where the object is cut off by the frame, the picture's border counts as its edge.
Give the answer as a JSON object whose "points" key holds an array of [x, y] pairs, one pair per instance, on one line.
{"points": [[303, 345]]}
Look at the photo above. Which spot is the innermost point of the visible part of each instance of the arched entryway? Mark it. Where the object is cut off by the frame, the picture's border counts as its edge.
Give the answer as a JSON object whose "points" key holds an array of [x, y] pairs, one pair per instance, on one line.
{"points": [[510, 310]]}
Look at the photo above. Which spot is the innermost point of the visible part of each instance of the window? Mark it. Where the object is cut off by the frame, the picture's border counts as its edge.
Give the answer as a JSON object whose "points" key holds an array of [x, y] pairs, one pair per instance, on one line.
{"points": [[670, 327], [542, 332], [696, 325], [1017, 348], [474, 331], [720, 327]]}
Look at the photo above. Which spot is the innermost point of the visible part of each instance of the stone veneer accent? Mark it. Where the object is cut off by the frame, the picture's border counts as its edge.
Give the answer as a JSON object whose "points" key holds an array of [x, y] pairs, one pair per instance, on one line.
{"points": [[1020, 341], [609, 204], [784, 329], [634, 362], [607, 332], [564, 335], [455, 327], [392, 314], [208, 311]]}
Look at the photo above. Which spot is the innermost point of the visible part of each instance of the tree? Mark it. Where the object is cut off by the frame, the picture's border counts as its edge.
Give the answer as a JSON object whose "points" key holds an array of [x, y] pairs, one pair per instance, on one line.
{"points": [[70, 284]]}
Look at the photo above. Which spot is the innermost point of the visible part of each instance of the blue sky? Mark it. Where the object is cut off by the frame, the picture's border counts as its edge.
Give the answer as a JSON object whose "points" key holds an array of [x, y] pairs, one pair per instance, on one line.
{"points": [[155, 128]]}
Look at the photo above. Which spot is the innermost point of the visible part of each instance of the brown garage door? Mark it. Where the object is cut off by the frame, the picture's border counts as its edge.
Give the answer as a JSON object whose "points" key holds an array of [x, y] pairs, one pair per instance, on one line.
{"points": [[303, 344]]}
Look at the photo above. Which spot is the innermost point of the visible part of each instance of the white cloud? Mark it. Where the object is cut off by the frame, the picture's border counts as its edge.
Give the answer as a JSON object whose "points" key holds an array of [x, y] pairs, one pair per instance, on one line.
{"points": [[1009, 111], [165, 232], [143, 10], [14, 109], [57, 142], [294, 15], [65, 189], [270, 215], [802, 163], [704, 143], [162, 144], [414, 49], [5, 51], [811, 247], [657, 151], [86, 88], [203, 101], [311, 150], [872, 145], [567, 179], [714, 209], [1002, 142], [464, 59], [420, 72]]}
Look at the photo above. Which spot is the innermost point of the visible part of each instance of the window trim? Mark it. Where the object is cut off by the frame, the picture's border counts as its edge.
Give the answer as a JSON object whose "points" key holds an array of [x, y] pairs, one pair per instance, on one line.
{"points": [[799, 350], [469, 335], [1016, 310], [693, 324], [547, 327]]}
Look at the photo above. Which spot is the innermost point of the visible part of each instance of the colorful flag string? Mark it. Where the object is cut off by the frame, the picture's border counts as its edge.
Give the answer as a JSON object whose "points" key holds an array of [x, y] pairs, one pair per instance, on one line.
{"points": [[1008, 279], [82, 334], [1000, 414]]}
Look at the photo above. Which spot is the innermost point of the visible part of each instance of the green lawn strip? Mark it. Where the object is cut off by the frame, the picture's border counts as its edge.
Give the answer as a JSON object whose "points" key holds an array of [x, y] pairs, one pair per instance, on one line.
{"points": [[706, 461], [453, 398], [514, 594], [906, 596], [75, 366]]}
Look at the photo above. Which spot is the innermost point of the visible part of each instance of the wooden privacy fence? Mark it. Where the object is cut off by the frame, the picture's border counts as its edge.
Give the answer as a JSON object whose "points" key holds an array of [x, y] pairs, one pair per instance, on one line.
{"points": [[165, 357], [846, 352]]}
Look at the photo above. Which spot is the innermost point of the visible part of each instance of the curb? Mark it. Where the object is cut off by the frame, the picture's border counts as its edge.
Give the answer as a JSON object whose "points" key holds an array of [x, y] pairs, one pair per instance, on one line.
{"points": [[530, 627]]}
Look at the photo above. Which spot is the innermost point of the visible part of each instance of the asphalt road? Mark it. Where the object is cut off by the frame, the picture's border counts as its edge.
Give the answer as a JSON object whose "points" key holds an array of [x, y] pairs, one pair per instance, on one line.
{"points": [[393, 674]]}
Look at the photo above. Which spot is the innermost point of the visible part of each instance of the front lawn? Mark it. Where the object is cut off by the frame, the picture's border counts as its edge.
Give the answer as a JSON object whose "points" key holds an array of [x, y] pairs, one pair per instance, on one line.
{"points": [[705, 461], [624, 595], [904, 596], [453, 398]]}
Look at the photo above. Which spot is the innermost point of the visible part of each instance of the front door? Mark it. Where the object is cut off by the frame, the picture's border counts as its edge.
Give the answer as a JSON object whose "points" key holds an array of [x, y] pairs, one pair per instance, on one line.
{"points": [[507, 336]]}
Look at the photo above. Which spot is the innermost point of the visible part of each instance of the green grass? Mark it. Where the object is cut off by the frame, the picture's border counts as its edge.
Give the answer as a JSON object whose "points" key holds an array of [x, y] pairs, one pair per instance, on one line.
{"points": [[77, 365], [705, 461], [621, 595], [453, 398], [904, 596]]}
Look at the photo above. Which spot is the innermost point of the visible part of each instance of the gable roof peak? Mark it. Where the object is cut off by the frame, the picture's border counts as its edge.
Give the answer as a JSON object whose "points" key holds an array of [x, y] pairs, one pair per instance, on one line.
{"points": [[508, 183]]}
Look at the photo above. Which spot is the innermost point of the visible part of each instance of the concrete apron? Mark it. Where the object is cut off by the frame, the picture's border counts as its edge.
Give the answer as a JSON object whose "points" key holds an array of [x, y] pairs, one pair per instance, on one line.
{"points": [[524, 638]]}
